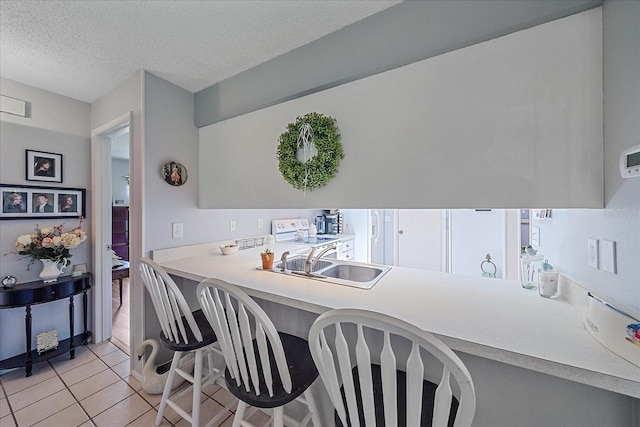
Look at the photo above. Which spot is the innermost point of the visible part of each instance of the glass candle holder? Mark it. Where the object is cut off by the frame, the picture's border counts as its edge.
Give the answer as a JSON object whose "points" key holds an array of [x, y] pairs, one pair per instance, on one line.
{"points": [[530, 267], [548, 286]]}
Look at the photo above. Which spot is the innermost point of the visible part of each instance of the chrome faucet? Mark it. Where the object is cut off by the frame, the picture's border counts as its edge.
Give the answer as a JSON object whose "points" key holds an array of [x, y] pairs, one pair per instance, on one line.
{"points": [[283, 261], [310, 262]]}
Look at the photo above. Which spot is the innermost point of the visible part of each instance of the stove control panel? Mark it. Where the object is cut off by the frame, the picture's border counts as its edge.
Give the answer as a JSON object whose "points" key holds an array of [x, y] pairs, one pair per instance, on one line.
{"points": [[281, 226]]}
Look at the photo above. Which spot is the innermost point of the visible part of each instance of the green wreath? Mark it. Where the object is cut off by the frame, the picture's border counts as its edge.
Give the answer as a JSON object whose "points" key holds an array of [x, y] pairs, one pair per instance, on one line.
{"points": [[318, 170]]}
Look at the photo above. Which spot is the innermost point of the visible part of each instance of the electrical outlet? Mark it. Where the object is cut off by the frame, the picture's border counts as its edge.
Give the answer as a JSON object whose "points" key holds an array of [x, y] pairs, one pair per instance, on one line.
{"points": [[260, 223], [177, 229], [232, 225], [592, 253], [608, 256]]}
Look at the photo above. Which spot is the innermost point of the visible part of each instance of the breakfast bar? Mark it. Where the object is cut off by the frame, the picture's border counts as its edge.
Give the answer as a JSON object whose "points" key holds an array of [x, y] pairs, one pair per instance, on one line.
{"points": [[520, 348]]}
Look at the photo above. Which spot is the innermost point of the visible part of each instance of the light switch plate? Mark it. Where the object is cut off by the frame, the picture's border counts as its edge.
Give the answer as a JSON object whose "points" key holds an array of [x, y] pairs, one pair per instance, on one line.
{"points": [[177, 229], [592, 253], [535, 237], [608, 256], [232, 225]]}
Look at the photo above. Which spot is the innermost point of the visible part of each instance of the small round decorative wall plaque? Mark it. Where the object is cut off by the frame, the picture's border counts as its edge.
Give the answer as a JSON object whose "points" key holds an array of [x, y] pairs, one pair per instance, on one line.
{"points": [[174, 173]]}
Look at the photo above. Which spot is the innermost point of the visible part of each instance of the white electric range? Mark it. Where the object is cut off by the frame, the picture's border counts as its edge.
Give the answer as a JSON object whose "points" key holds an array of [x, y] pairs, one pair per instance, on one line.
{"points": [[297, 231]]}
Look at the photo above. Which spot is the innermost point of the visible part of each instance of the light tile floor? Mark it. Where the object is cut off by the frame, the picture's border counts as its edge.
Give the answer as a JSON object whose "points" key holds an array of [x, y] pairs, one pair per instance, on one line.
{"points": [[94, 389]]}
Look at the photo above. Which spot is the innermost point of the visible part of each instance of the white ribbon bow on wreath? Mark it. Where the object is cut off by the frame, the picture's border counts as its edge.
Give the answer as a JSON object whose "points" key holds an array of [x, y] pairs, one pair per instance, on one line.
{"points": [[306, 150]]}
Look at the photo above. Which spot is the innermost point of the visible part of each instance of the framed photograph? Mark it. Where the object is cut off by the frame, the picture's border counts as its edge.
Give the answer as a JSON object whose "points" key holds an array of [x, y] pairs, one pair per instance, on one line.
{"points": [[79, 270], [540, 214], [41, 166], [543, 214], [30, 202]]}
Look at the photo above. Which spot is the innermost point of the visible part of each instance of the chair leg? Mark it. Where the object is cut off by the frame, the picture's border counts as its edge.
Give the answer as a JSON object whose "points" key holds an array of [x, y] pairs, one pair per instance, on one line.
{"points": [[278, 417], [167, 387], [311, 404], [197, 387], [239, 416]]}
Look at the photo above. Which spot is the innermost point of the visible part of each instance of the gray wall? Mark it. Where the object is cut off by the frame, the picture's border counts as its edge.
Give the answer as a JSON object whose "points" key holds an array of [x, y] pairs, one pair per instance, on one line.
{"points": [[54, 124], [171, 135], [509, 123], [413, 31]]}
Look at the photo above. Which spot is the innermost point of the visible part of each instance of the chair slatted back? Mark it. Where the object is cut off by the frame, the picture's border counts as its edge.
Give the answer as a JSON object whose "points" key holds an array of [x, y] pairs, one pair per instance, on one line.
{"points": [[336, 352], [168, 302], [237, 321]]}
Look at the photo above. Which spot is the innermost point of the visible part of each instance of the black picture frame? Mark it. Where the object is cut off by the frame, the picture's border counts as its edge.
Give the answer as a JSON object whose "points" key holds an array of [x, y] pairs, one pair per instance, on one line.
{"points": [[29, 196], [43, 166]]}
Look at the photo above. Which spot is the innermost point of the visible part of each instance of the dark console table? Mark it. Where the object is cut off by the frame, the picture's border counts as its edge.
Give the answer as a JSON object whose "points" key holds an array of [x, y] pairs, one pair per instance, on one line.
{"points": [[118, 273], [38, 292]]}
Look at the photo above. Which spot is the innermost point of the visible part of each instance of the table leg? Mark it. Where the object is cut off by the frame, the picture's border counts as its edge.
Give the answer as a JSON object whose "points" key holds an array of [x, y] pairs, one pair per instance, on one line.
{"points": [[72, 350], [27, 325], [84, 310]]}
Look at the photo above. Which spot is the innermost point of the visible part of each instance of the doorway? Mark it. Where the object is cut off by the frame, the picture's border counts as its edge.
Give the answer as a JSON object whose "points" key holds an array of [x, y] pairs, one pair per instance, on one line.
{"points": [[120, 275], [102, 147]]}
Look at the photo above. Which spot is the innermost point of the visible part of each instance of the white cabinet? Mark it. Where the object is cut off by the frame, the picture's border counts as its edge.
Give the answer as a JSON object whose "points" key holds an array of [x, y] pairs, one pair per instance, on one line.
{"points": [[345, 249]]}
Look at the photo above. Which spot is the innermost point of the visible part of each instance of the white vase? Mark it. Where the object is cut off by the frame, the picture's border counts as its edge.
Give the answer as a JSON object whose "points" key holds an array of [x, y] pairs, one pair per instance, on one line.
{"points": [[51, 270]]}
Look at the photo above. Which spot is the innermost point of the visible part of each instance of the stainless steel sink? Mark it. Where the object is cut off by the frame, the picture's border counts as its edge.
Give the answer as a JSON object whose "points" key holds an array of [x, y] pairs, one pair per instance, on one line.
{"points": [[296, 263], [355, 273], [347, 273]]}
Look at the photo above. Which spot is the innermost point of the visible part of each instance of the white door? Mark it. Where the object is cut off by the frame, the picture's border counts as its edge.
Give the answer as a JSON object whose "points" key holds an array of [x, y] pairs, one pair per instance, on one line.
{"points": [[474, 234], [422, 239]]}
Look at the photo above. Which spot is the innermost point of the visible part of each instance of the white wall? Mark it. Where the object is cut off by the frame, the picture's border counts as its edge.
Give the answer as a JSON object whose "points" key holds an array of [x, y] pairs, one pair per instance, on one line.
{"points": [[512, 122], [474, 234], [564, 238], [53, 124], [119, 185]]}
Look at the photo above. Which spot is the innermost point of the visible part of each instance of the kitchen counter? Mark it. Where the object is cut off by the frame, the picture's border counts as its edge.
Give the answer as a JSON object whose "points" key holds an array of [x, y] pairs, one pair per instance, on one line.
{"points": [[492, 318]]}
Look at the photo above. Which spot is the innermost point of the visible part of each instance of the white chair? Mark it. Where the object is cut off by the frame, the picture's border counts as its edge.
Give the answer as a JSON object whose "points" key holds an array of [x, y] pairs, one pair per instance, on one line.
{"points": [[183, 331], [264, 368], [375, 369]]}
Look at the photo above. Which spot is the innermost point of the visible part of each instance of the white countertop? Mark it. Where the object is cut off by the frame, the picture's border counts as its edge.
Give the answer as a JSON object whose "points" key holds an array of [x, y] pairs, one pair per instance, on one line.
{"points": [[492, 318]]}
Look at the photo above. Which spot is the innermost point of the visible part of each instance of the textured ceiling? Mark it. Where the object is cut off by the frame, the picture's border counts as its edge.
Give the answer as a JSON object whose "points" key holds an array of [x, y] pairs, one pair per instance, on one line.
{"points": [[84, 49]]}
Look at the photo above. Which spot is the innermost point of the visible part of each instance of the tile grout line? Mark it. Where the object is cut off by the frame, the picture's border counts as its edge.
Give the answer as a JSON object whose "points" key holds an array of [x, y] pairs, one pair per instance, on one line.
{"points": [[120, 379], [6, 396], [69, 390], [76, 401]]}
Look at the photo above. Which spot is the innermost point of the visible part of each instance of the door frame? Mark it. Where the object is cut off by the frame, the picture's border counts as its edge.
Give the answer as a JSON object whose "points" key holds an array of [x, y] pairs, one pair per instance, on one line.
{"points": [[101, 227]]}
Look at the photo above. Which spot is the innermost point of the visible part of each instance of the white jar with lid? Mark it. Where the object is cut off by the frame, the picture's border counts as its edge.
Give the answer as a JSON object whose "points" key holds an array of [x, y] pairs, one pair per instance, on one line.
{"points": [[548, 281], [548, 286]]}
